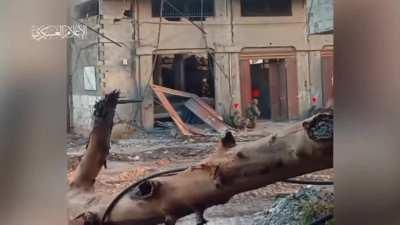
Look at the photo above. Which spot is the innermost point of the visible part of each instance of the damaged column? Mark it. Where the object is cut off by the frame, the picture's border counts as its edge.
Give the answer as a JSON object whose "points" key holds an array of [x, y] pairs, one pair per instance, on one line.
{"points": [[146, 79], [119, 61], [227, 82]]}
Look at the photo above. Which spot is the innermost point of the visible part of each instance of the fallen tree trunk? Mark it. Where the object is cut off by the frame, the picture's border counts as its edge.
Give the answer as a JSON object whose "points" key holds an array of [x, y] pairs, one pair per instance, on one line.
{"points": [[98, 145], [229, 170]]}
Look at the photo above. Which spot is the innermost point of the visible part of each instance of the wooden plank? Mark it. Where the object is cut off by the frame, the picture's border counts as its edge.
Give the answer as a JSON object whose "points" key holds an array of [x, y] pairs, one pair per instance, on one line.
{"points": [[172, 91], [187, 95], [267, 53], [174, 115], [204, 115]]}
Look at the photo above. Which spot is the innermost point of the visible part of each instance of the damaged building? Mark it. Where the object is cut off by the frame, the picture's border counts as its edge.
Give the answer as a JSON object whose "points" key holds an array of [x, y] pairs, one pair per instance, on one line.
{"points": [[225, 51]]}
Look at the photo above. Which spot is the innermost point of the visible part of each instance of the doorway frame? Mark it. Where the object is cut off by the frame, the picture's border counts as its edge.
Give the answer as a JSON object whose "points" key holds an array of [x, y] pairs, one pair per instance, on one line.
{"points": [[286, 53], [327, 73]]}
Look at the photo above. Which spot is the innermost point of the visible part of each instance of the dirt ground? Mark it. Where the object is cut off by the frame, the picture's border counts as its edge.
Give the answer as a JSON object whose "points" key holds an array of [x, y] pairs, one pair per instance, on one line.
{"points": [[146, 153]]}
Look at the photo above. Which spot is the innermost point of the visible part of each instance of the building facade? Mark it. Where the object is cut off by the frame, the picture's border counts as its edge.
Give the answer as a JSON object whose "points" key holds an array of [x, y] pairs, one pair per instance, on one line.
{"points": [[241, 49]]}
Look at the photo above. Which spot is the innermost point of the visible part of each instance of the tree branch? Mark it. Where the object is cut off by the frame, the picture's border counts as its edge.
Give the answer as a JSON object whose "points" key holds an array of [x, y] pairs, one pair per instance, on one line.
{"points": [[229, 170], [99, 144]]}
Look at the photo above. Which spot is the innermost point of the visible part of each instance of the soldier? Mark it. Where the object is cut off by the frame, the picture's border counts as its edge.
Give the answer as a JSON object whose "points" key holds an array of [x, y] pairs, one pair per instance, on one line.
{"points": [[205, 88], [235, 119], [253, 112], [238, 121]]}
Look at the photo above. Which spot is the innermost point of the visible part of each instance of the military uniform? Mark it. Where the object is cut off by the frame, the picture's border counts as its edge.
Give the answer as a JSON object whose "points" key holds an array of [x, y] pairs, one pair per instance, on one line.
{"points": [[253, 112]]}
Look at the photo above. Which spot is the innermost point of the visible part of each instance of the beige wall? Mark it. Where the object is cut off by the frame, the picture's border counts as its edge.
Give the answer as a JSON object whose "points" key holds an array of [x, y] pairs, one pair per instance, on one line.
{"points": [[115, 74], [228, 30], [227, 34]]}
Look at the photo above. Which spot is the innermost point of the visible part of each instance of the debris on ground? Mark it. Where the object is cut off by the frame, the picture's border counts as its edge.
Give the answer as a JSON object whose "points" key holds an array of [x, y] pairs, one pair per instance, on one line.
{"points": [[146, 153], [302, 208]]}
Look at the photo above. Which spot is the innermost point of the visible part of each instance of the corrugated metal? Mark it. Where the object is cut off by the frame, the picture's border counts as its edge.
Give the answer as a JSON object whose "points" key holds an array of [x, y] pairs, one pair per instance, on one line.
{"points": [[187, 95], [207, 117], [194, 104], [320, 13], [171, 111]]}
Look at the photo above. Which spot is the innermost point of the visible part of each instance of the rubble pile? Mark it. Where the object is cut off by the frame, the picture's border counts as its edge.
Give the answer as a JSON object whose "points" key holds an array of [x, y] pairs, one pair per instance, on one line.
{"points": [[302, 208]]}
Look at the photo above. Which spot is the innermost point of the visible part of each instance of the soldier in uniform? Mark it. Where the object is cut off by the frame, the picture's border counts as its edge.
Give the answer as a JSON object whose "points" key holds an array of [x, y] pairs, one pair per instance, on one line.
{"points": [[235, 119], [253, 112], [238, 121]]}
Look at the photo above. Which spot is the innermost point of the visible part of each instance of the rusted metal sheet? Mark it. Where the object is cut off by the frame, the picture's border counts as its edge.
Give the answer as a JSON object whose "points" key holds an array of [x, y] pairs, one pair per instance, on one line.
{"points": [[173, 91], [196, 130], [171, 111], [207, 107], [207, 117], [187, 95], [194, 104]]}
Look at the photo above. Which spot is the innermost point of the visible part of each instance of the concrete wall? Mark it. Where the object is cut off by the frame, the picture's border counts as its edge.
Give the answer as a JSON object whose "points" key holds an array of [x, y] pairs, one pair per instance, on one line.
{"points": [[83, 53], [115, 74], [108, 59], [226, 29], [227, 34], [317, 42]]}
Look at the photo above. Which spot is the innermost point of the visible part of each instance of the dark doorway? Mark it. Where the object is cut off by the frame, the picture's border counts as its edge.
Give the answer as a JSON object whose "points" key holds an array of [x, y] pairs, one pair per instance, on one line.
{"points": [[260, 88], [268, 83]]}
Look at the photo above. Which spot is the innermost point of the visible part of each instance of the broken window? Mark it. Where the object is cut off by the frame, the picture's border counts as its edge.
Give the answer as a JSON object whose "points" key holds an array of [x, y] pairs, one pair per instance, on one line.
{"points": [[193, 73], [87, 9], [192, 9], [89, 78], [266, 7]]}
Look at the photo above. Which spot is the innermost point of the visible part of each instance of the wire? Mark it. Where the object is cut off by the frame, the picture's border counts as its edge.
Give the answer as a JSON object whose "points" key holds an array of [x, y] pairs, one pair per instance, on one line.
{"points": [[292, 181], [98, 33], [209, 53], [154, 60], [112, 204]]}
